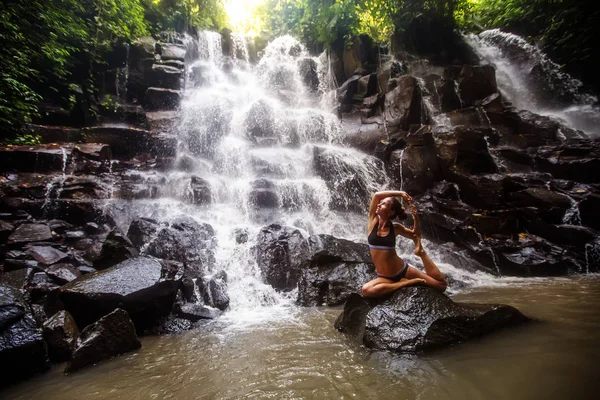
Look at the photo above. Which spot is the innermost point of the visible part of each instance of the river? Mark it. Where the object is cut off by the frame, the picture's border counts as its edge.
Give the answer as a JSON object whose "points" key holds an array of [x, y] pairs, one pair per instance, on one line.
{"points": [[285, 352]]}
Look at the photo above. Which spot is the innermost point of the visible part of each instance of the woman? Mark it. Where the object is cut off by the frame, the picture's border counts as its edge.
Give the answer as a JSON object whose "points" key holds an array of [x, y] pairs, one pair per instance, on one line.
{"points": [[392, 271]]}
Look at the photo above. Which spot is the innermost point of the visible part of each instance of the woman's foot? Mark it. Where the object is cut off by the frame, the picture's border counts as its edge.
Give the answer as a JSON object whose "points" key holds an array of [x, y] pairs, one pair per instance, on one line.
{"points": [[419, 251]]}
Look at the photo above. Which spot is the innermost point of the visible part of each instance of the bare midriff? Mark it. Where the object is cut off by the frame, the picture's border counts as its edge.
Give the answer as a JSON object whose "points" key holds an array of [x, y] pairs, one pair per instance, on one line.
{"points": [[387, 262]]}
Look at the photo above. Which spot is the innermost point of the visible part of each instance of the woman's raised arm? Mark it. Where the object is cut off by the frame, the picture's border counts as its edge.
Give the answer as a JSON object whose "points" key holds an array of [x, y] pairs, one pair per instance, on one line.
{"points": [[378, 196]]}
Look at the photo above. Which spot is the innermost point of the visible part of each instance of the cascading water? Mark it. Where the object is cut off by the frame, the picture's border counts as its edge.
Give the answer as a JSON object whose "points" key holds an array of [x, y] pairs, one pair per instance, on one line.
{"points": [[252, 135], [530, 80]]}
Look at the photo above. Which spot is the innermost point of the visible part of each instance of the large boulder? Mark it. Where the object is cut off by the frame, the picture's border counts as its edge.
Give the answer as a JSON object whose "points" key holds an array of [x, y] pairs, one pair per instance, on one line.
{"points": [[404, 104], [22, 348], [476, 83], [336, 269], [142, 286], [61, 333], [115, 249], [214, 291], [281, 252], [156, 99], [110, 336], [27, 233], [415, 318]]}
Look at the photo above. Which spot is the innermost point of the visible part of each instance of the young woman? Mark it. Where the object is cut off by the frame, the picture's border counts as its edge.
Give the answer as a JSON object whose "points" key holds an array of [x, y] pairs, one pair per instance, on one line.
{"points": [[392, 271]]}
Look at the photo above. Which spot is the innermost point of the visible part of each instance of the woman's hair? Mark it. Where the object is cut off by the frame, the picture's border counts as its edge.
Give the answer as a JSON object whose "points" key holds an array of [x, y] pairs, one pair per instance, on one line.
{"points": [[398, 209]]}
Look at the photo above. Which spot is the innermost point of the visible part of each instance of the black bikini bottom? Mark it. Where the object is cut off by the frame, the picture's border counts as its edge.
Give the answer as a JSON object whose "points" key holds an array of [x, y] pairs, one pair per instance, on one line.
{"points": [[398, 276]]}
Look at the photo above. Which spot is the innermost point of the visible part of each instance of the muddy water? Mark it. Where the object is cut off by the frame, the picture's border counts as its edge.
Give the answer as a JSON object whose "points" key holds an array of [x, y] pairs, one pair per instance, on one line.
{"points": [[288, 352]]}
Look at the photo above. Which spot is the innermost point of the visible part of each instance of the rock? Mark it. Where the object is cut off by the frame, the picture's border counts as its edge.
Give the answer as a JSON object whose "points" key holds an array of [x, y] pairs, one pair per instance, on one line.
{"points": [[159, 99], [141, 286], [214, 291], [449, 97], [165, 77], [264, 194], [588, 209], [404, 104], [22, 348], [188, 242], [93, 151], [196, 312], [26, 233], [123, 140], [84, 269], [39, 284], [115, 249], [59, 226], [466, 148], [260, 122], [5, 230], [169, 51], [61, 333], [346, 93], [162, 121], [54, 134], [576, 160], [45, 254], [201, 193], [415, 319], [336, 269], [307, 68], [110, 336], [37, 158], [141, 231], [281, 252], [476, 83], [171, 325], [63, 273]]}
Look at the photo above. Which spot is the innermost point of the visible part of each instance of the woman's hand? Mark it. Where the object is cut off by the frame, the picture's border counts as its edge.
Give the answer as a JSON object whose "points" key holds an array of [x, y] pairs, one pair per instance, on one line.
{"points": [[413, 210], [406, 196]]}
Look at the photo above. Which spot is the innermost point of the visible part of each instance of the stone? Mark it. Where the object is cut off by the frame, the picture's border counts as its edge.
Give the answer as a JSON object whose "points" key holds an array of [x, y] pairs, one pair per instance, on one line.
{"points": [[111, 335], [123, 140], [37, 158], [22, 348], [416, 319], [39, 284], [466, 148], [46, 255], [5, 230], [476, 83], [214, 291], [404, 104], [142, 286], [60, 333], [196, 312], [201, 193], [159, 99], [449, 97], [142, 231], [162, 121], [307, 68], [170, 51], [336, 269], [63, 273], [115, 249], [165, 77], [264, 194], [26, 233], [280, 252], [589, 211]]}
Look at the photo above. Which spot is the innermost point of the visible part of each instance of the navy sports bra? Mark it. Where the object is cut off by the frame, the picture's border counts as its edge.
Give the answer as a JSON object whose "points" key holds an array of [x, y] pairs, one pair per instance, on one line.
{"points": [[387, 242]]}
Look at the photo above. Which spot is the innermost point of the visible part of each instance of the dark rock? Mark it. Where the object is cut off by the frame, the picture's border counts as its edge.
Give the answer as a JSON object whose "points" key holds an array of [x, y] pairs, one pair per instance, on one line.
{"points": [[159, 99], [466, 148], [307, 68], [123, 140], [39, 284], [26, 233], [61, 333], [141, 231], [214, 291], [59, 226], [188, 242], [589, 210], [476, 83], [84, 269], [162, 121], [170, 51], [93, 151], [264, 194], [166, 77], [110, 336], [200, 191], [171, 325], [336, 269], [281, 252], [38, 158], [22, 348], [115, 249], [46, 255], [404, 104], [5, 230], [55, 134], [139, 285], [260, 122], [449, 98], [196, 312], [63, 273], [415, 319], [576, 160]]}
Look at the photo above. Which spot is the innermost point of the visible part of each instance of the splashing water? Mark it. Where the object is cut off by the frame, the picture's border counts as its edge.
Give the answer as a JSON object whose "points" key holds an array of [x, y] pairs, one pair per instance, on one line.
{"points": [[530, 80]]}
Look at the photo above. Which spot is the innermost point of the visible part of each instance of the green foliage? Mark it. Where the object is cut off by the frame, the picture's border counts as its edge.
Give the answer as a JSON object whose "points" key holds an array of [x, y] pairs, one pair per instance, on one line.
{"points": [[180, 15]]}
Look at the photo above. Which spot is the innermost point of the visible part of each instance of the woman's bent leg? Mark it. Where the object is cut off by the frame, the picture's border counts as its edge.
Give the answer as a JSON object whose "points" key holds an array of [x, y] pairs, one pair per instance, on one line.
{"points": [[413, 273], [380, 287]]}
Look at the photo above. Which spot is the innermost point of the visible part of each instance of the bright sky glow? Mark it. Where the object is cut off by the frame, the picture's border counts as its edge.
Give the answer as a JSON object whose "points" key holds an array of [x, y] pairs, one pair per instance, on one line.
{"points": [[242, 16]]}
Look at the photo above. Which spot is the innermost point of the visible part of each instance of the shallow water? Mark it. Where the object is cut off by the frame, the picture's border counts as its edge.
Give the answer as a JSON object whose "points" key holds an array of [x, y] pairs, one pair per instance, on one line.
{"points": [[289, 352]]}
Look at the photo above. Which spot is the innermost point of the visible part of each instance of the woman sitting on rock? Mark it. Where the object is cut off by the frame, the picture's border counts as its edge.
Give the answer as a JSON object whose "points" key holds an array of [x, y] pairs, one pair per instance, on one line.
{"points": [[392, 271]]}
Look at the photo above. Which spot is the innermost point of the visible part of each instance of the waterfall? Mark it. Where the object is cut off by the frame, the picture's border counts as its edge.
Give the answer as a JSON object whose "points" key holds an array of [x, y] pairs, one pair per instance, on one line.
{"points": [[258, 139], [530, 80]]}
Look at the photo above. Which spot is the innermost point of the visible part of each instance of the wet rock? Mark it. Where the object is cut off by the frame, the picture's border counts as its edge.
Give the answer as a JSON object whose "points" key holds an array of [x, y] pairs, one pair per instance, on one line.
{"points": [[170, 51], [415, 319], [575, 160], [63, 273], [281, 252], [39, 284], [162, 121], [141, 231], [307, 68], [115, 249], [123, 140], [449, 97], [555, 204], [336, 269], [54, 134], [200, 191], [22, 348], [476, 83], [464, 148], [84, 269], [159, 99], [165, 77], [214, 291], [589, 211], [196, 312], [46, 255], [110, 336], [171, 325], [93, 151], [260, 122], [188, 242], [26, 233], [5, 230], [404, 104], [59, 226], [346, 93], [60, 333], [140, 286], [38, 158], [264, 194]]}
